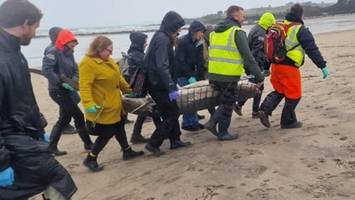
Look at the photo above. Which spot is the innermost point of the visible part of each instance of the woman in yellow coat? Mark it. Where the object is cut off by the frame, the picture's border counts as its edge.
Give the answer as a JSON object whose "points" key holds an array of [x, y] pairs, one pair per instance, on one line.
{"points": [[101, 85]]}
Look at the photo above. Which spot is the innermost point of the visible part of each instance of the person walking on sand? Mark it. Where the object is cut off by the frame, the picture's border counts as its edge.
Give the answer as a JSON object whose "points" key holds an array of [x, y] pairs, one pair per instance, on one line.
{"points": [[59, 62], [53, 34], [286, 76], [190, 66], [136, 63], [256, 38], [101, 85], [229, 57], [26, 166], [159, 62]]}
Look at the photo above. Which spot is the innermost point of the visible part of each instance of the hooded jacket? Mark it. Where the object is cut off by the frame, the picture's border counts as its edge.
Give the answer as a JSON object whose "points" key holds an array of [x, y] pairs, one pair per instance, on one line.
{"points": [[256, 39], [159, 60], [53, 34], [306, 39], [58, 60], [241, 40], [136, 51], [189, 54]]}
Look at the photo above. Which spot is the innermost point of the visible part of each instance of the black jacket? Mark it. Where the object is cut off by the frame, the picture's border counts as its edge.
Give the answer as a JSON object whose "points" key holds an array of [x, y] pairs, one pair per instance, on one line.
{"points": [[189, 54], [136, 52], [159, 60], [306, 39], [241, 40], [256, 38], [21, 130], [19, 112]]}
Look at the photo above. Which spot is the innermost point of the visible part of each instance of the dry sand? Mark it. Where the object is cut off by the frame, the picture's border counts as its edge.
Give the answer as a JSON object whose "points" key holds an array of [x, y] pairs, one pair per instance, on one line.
{"points": [[314, 162]]}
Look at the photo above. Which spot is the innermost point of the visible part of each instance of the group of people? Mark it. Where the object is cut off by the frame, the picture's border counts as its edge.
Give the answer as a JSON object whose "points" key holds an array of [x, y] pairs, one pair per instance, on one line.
{"points": [[222, 55]]}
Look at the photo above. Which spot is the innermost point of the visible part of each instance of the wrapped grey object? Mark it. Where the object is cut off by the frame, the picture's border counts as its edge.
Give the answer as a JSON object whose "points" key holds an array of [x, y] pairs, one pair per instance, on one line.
{"points": [[202, 95], [198, 96], [138, 106]]}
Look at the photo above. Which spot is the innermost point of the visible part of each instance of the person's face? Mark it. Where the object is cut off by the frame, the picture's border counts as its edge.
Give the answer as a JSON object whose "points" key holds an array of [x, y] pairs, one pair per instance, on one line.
{"points": [[198, 36], [28, 32], [106, 53], [176, 34], [239, 16], [71, 45]]}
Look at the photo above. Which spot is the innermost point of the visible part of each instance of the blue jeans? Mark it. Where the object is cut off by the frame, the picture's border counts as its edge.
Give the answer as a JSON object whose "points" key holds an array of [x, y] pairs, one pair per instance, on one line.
{"points": [[187, 119]]}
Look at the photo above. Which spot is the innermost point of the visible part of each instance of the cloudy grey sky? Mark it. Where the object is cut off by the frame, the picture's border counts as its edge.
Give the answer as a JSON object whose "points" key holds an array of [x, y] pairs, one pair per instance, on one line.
{"points": [[99, 13]]}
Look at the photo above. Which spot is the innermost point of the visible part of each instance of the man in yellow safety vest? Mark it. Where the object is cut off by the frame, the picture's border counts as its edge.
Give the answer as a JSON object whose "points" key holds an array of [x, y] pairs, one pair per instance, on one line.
{"points": [[229, 57]]}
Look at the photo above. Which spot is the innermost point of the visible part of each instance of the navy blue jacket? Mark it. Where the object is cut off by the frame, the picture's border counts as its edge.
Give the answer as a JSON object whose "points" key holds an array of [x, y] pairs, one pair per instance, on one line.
{"points": [[189, 58], [136, 52], [306, 39]]}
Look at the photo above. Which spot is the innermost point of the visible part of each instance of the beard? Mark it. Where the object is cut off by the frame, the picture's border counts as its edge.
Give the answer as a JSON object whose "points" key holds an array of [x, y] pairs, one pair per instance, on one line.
{"points": [[24, 41]]}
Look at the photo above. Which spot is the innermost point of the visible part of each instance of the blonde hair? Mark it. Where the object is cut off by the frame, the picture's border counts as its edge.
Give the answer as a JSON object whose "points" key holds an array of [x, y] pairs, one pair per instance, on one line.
{"points": [[99, 44]]}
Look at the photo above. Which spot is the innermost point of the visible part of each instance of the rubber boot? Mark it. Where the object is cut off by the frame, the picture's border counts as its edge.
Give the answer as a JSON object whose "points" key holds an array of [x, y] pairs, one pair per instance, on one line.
{"points": [[54, 139], [223, 134], [288, 116]]}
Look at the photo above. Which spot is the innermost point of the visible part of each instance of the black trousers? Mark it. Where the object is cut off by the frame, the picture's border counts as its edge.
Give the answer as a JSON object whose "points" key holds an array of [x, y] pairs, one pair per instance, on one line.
{"points": [[273, 99], [105, 132], [223, 114], [138, 125], [68, 109], [169, 112]]}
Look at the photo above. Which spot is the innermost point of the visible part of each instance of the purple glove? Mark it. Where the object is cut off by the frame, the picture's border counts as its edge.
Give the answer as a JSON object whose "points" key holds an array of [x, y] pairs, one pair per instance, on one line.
{"points": [[173, 95]]}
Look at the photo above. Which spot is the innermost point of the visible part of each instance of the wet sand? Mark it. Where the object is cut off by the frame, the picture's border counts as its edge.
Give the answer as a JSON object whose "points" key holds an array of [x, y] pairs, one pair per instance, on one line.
{"points": [[314, 162]]}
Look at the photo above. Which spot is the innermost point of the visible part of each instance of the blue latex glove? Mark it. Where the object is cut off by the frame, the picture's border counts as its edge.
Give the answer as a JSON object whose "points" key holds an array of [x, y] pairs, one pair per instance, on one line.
{"points": [[94, 109], [46, 137], [173, 95], [7, 177], [192, 80], [325, 72], [68, 87]]}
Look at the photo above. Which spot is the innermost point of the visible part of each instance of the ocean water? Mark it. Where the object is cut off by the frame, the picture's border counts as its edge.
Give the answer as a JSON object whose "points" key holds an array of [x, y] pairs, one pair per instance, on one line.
{"points": [[121, 42]]}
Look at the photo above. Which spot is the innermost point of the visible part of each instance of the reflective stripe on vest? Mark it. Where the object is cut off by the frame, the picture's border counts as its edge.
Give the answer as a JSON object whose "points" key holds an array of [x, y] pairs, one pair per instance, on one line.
{"points": [[224, 56], [296, 54]]}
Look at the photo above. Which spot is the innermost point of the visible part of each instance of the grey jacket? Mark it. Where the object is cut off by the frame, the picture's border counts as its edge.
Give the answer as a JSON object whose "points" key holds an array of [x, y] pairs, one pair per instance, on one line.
{"points": [[256, 39], [55, 63]]}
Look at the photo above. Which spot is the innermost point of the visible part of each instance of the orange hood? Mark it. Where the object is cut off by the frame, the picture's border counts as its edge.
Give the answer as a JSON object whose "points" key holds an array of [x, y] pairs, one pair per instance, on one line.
{"points": [[64, 37]]}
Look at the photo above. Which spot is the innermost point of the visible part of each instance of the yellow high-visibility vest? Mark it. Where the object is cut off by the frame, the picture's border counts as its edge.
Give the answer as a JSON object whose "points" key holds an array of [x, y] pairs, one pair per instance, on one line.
{"points": [[296, 54], [224, 56]]}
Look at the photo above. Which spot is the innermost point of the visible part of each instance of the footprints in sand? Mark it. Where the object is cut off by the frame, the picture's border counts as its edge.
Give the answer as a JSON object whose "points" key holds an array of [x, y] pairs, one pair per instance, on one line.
{"points": [[329, 186], [211, 191]]}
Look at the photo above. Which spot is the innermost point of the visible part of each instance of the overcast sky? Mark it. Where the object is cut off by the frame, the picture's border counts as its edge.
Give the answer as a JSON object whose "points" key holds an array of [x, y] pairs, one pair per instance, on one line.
{"points": [[99, 13]]}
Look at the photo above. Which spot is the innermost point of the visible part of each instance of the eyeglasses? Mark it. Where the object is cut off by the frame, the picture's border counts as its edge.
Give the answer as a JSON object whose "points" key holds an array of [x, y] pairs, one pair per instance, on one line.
{"points": [[109, 50]]}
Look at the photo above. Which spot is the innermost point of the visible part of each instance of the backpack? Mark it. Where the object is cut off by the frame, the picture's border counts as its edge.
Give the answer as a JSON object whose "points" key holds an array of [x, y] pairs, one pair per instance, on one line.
{"points": [[274, 43], [123, 63], [135, 76]]}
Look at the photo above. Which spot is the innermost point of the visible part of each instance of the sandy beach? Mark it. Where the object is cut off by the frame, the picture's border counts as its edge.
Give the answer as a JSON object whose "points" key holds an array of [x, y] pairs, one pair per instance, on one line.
{"points": [[314, 162]]}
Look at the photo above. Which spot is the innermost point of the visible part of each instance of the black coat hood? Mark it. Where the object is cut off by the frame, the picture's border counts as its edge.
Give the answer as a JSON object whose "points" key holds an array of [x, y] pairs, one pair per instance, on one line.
{"points": [[137, 41], [172, 21], [293, 18], [53, 33], [195, 27]]}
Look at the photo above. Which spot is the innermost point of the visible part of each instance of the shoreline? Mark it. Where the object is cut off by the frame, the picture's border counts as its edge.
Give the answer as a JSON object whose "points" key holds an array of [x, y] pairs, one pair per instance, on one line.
{"points": [[149, 30], [36, 70]]}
